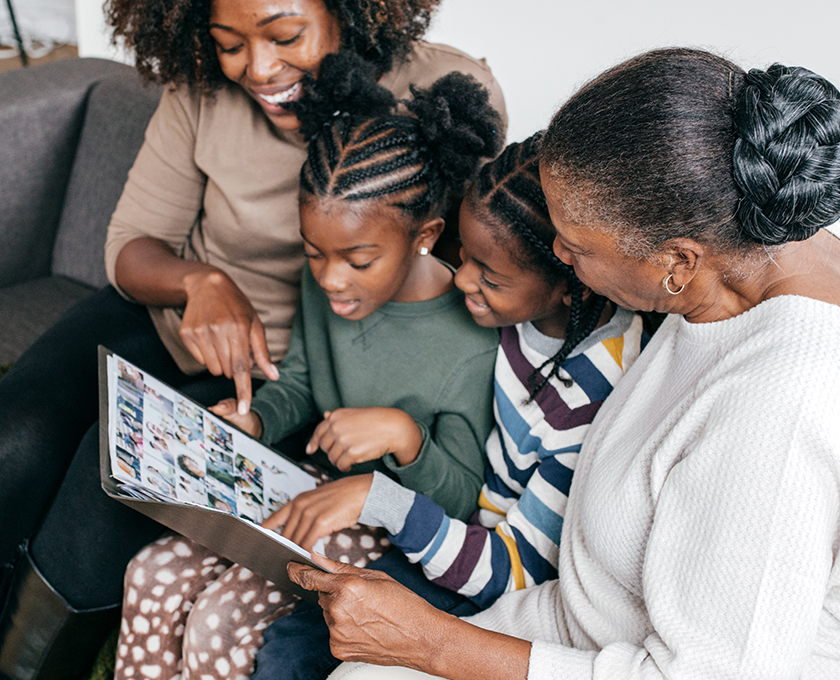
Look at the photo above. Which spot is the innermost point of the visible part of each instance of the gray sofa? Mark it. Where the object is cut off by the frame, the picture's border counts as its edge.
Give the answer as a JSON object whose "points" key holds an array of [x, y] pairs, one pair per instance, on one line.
{"points": [[69, 132]]}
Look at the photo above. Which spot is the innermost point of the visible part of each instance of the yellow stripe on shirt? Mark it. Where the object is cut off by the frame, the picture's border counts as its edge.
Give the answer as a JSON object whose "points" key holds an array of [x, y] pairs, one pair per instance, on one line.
{"points": [[615, 346], [487, 505], [515, 561]]}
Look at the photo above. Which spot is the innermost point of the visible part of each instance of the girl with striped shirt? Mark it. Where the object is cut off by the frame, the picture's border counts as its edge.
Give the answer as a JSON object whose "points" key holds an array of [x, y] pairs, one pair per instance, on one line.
{"points": [[562, 351]]}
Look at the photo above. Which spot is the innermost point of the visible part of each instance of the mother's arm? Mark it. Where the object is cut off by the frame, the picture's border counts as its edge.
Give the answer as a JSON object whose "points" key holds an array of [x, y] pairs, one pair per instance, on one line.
{"points": [[374, 619], [151, 225], [220, 327]]}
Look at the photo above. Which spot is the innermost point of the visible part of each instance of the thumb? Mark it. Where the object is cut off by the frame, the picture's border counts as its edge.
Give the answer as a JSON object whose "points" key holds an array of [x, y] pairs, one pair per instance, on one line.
{"points": [[313, 579]]}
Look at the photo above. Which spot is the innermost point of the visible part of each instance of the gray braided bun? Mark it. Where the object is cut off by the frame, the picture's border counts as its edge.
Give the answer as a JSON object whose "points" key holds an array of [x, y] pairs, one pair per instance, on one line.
{"points": [[787, 154]]}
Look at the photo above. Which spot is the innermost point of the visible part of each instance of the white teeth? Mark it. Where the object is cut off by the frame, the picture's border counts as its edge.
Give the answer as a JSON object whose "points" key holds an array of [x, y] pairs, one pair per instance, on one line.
{"points": [[281, 97]]}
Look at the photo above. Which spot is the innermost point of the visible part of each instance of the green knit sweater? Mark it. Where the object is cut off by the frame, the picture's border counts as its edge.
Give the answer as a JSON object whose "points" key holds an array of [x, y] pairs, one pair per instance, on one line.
{"points": [[427, 358]]}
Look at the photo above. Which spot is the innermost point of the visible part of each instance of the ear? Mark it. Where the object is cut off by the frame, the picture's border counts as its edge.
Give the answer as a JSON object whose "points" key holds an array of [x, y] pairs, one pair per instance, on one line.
{"points": [[428, 234], [682, 257]]}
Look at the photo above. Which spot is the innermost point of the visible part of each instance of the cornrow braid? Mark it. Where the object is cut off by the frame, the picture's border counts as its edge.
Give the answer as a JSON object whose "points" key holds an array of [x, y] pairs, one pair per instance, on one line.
{"points": [[507, 195], [361, 148]]}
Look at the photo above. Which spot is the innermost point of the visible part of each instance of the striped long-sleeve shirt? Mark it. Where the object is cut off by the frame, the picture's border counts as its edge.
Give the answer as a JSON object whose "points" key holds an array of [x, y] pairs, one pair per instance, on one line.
{"points": [[512, 541]]}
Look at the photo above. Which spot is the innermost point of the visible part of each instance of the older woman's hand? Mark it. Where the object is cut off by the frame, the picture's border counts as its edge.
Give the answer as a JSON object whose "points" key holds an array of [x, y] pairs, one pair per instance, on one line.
{"points": [[374, 619]]}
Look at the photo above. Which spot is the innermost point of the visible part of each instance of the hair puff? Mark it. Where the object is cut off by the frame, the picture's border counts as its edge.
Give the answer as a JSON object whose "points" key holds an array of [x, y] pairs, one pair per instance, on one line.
{"points": [[459, 125], [787, 154], [346, 84]]}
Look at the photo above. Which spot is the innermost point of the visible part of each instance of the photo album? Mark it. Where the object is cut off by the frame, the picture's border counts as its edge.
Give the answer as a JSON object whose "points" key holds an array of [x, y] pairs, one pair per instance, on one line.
{"points": [[173, 460]]}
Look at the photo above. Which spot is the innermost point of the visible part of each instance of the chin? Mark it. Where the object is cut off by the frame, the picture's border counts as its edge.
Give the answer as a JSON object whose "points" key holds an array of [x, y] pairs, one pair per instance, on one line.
{"points": [[285, 121]]}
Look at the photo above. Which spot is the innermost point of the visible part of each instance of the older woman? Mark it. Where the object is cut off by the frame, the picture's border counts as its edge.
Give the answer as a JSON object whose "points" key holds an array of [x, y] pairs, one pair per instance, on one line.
{"points": [[702, 532], [206, 238]]}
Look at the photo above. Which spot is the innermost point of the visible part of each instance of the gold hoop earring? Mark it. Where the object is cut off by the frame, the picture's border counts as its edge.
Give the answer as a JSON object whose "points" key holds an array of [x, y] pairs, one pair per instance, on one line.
{"points": [[667, 286]]}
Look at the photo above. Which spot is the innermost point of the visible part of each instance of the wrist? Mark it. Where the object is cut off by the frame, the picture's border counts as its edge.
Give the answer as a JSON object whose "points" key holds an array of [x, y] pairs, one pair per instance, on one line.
{"points": [[409, 440], [256, 424], [200, 276]]}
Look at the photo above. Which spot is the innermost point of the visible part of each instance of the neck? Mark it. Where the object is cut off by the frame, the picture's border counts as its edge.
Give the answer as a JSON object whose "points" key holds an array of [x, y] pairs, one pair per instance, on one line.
{"points": [[429, 278], [727, 286]]}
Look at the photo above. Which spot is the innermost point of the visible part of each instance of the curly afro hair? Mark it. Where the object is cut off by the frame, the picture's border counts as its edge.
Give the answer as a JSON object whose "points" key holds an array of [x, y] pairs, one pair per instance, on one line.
{"points": [[172, 43]]}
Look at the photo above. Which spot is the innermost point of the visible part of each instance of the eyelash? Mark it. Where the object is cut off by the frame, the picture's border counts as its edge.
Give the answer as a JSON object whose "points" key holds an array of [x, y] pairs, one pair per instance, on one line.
{"points": [[281, 43], [491, 286], [361, 266]]}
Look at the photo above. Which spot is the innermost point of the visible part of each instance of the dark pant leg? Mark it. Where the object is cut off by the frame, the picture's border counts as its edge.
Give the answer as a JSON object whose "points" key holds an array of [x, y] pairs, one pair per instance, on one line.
{"points": [[297, 646], [48, 401]]}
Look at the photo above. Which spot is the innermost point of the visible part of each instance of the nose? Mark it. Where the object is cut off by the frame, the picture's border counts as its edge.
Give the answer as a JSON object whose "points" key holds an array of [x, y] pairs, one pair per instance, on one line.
{"points": [[331, 279], [465, 276], [263, 63], [563, 254]]}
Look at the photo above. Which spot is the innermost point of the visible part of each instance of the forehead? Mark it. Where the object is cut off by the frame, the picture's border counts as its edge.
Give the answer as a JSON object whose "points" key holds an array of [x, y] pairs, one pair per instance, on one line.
{"points": [[487, 243], [338, 225], [261, 9]]}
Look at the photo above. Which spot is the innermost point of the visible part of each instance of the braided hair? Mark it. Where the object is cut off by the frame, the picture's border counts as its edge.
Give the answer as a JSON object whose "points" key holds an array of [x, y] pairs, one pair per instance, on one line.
{"points": [[507, 196], [411, 158], [787, 154], [172, 43], [683, 143]]}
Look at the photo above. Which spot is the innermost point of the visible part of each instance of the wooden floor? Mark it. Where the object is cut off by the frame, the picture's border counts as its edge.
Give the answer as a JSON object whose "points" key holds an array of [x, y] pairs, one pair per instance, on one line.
{"points": [[58, 52]]}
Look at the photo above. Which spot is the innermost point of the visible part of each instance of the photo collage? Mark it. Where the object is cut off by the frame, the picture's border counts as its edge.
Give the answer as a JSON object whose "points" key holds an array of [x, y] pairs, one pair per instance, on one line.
{"points": [[166, 447]]}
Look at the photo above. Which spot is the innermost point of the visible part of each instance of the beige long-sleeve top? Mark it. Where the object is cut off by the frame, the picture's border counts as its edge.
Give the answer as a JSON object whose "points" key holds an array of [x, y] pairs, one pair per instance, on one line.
{"points": [[218, 182]]}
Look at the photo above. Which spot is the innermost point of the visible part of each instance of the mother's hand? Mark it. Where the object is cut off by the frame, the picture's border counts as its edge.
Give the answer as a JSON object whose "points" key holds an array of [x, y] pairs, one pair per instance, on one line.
{"points": [[374, 619], [220, 327], [222, 331]]}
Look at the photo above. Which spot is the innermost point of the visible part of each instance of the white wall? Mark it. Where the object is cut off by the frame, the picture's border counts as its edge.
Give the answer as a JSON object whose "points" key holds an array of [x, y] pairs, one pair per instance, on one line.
{"points": [[541, 50], [40, 22]]}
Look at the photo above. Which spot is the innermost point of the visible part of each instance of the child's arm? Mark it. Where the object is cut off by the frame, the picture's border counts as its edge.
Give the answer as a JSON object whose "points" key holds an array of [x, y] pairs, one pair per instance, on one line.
{"points": [[480, 563]]}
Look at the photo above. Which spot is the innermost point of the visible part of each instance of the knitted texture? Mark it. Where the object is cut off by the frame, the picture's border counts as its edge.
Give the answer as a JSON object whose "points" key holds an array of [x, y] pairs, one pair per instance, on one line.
{"points": [[702, 532]]}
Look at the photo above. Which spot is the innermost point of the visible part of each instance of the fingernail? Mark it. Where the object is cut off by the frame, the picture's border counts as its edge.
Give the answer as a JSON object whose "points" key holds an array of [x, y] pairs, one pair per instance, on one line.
{"points": [[274, 373], [243, 408]]}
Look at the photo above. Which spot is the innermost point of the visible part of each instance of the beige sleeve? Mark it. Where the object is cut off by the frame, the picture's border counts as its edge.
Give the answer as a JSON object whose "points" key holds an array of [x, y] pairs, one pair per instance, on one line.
{"points": [[163, 195], [429, 61]]}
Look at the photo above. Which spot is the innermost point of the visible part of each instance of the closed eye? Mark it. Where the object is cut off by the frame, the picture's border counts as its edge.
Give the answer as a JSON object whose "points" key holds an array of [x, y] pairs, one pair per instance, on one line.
{"points": [[489, 284]]}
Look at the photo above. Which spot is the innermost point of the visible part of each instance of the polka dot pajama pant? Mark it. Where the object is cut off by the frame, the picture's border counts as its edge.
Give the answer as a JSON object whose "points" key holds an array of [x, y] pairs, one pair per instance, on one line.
{"points": [[188, 613]]}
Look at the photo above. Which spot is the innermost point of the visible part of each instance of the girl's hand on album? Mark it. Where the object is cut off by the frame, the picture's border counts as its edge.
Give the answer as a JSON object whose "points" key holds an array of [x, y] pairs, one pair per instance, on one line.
{"points": [[331, 507]]}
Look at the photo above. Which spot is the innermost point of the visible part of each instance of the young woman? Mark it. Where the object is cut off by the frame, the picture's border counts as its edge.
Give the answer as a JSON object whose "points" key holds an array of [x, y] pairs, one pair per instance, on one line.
{"points": [[206, 240], [702, 533], [382, 349], [562, 351]]}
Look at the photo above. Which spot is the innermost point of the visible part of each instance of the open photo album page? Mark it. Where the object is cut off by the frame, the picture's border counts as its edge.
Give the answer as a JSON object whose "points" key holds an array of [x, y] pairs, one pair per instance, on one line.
{"points": [[165, 447]]}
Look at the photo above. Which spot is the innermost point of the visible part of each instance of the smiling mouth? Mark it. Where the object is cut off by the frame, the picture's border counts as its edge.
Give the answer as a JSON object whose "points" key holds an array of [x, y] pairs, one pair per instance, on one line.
{"points": [[476, 308], [289, 95]]}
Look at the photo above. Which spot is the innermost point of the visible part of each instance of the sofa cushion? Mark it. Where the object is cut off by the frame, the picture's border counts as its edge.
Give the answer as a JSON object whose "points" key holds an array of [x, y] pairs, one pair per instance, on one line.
{"points": [[118, 110], [28, 309], [41, 111]]}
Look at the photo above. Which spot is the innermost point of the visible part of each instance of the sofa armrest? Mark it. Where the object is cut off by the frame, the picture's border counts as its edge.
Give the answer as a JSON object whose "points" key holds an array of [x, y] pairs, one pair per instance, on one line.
{"points": [[41, 113]]}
